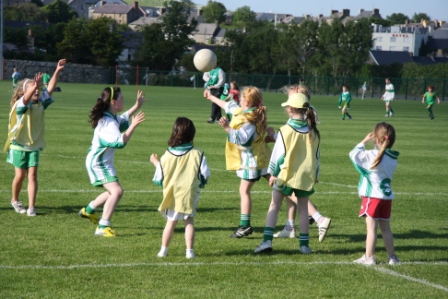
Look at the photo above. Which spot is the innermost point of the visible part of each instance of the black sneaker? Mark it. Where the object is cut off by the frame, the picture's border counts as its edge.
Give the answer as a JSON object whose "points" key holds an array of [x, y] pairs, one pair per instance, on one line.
{"points": [[311, 219], [242, 232]]}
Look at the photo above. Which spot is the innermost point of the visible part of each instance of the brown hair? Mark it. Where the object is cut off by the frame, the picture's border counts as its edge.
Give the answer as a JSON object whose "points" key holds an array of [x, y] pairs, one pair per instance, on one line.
{"points": [[308, 111], [235, 85], [253, 96], [103, 103], [384, 133], [431, 87], [346, 86], [183, 132]]}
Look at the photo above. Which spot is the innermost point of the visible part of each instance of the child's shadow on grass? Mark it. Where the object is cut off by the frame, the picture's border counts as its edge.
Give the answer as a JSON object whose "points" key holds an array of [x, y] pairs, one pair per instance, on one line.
{"points": [[413, 234]]}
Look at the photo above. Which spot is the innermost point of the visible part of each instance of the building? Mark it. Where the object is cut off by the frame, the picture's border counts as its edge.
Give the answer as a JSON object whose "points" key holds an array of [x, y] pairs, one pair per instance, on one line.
{"points": [[123, 14], [399, 38]]}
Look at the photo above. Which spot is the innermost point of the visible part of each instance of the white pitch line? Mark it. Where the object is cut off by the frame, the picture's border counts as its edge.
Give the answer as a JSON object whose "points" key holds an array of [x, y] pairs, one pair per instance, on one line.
{"points": [[410, 278]]}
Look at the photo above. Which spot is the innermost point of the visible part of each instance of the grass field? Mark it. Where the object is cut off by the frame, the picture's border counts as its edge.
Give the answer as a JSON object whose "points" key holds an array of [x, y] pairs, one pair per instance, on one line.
{"points": [[55, 254]]}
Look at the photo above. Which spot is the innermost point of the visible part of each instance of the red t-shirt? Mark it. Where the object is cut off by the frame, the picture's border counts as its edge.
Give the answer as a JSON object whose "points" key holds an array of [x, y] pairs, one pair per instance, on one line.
{"points": [[236, 95]]}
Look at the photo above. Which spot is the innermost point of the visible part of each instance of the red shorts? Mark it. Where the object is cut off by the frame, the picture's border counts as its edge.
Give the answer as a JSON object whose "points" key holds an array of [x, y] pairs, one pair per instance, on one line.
{"points": [[375, 208]]}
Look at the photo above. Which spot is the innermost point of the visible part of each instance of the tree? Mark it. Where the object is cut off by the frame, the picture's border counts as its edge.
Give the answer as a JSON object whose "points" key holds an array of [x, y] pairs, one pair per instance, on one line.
{"points": [[243, 16], [58, 12], [74, 47], [418, 17], [397, 18], [24, 12], [214, 12]]}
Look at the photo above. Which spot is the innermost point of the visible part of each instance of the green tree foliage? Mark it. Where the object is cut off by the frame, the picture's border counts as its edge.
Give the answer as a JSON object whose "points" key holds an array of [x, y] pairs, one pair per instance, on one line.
{"points": [[418, 17], [243, 16], [58, 12], [24, 12], [397, 18], [46, 39], [214, 12], [91, 41]]}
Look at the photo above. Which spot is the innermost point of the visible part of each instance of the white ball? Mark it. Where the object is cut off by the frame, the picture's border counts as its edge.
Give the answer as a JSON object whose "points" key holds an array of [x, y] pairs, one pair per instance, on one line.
{"points": [[205, 60]]}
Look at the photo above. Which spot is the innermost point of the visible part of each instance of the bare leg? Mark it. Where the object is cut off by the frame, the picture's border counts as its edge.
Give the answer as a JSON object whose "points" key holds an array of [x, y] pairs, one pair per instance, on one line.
{"points": [[168, 232], [32, 187], [100, 200], [246, 200], [387, 236], [115, 194], [19, 177], [302, 205], [276, 203], [372, 227], [189, 232]]}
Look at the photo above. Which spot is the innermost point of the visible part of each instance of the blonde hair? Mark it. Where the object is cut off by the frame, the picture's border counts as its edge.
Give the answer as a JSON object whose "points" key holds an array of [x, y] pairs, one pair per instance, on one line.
{"points": [[303, 89], [384, 133], [310, 116], [254, 99], [20, 90]]}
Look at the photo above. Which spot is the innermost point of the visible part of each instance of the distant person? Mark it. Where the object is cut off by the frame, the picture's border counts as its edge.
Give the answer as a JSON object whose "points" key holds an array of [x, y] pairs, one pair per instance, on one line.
{"points": [[182, 171], [388, 97], [376, 167], [344, 102], [214, 82], [46, 78], [235, 92], [15, 78], [430, 98]]}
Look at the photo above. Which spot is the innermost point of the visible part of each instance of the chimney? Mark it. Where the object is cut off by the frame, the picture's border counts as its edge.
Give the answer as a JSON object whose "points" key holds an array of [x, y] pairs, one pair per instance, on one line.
{"points": [[135, 5], [361, 10], [376, 11], [346, 12], [307, 17], [333, 11], [103, 3], [321, 16]]}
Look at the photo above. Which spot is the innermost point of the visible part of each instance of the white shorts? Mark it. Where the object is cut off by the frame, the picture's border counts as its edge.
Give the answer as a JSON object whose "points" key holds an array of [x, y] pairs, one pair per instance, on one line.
{"points": [[175, 216]]}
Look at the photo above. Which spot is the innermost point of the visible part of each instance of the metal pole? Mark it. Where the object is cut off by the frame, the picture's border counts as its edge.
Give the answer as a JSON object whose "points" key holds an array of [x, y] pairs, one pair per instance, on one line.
{"points": [[1, 40]]}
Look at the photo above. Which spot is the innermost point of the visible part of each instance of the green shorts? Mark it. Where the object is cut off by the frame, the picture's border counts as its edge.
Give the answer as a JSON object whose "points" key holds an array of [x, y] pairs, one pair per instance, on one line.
{"points": [[23, 159], [104, 181], [287, 191]]}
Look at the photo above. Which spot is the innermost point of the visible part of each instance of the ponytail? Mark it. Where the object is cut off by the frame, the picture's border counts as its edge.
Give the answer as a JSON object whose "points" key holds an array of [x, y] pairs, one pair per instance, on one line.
{"points": [[310, 114], [103, 104], [385, 134]]}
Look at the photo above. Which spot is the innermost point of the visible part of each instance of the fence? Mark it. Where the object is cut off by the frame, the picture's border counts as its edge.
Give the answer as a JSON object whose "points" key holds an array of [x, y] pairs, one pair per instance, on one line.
{"points": [[405, 88]]}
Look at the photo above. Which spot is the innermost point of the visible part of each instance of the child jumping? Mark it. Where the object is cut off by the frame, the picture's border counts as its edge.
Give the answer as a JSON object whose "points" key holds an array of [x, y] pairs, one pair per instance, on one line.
{"points": [[107, 137], [376, 167], [26, 134], [246, 149], [182, 171], [294, 168], [429, 98], [344, 102]]}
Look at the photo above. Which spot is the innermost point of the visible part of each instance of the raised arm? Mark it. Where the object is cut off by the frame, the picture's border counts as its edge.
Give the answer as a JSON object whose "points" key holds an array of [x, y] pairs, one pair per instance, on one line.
{"points": [[31, 90], [138, 103], [214, 99], [54, 79]]}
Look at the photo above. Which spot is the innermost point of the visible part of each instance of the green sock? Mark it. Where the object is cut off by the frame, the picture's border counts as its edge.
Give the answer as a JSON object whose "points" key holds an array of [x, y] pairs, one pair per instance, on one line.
{"points": [[391, 110], [304, 239], [89, 210], [349, 116], [387, 111], [343, 115], [245, 220], [268, 234]]}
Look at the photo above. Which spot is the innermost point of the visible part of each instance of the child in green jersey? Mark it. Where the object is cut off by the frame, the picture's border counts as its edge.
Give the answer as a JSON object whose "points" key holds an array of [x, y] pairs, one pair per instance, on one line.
{"points": [[429, 97], [344, 101]]}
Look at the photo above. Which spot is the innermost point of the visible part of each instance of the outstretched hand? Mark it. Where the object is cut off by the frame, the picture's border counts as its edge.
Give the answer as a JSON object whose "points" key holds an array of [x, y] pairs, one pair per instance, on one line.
{"points": [[207, 94], [154, 159], [61, 64], [38, 80], [138, 118], [140, 99]]}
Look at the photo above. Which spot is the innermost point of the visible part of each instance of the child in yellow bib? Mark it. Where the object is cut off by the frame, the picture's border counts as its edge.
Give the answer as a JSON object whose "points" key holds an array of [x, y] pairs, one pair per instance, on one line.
{"points": [[246, 148]]}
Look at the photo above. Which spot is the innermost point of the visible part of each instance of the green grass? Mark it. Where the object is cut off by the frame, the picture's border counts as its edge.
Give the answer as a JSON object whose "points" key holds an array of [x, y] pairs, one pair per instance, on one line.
{"points": [[56, 255]]}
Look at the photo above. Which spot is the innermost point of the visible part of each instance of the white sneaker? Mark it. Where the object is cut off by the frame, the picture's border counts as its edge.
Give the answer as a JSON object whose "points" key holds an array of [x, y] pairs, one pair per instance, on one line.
{"points": [[31, 212], [18, 207], [305, 249], [285, 233], [393, 260], [264, 247], [364, 260], [162, 253], [190, 255], [323, 228]]}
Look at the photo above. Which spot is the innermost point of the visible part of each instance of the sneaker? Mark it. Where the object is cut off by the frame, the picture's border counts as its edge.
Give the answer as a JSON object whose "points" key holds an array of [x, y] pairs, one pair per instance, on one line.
{"points": [[387, 115], [393, 260], [190, 255], [431, 116], [350, 118], [342, 118], [323, 228], [285, 233], [265, 246], [18, 207], [210, 120], [305, 249], [311, 219], [104, 232], [391, 114], [162, 253], [242, 232], [31, 212], [368, 261], [93, 217]]}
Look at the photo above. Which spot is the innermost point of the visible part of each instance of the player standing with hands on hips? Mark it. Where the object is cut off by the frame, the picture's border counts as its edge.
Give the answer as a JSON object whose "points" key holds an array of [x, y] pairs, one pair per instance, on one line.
{"points": [[388, 97], [107, 137]]}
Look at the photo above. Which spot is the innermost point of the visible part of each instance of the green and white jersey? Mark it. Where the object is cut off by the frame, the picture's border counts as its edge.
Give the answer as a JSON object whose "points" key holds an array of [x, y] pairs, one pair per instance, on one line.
{"points": [[107, 137], [345, 99], [389, 94], [374, 182], [15, 77], [215, 78]]}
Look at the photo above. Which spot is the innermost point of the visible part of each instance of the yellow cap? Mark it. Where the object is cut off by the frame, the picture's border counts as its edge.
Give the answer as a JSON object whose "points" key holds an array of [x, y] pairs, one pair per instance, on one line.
{"points": [[296, 100]]}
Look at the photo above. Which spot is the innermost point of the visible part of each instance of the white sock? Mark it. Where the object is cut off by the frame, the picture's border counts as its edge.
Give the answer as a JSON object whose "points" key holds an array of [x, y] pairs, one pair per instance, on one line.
{"points": [[317, 217], [91, 205], [289, 224], [104, 222]]}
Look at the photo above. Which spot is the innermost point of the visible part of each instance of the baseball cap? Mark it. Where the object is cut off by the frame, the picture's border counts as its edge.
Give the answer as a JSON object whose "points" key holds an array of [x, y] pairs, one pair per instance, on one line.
{"points": [[296, 100]]}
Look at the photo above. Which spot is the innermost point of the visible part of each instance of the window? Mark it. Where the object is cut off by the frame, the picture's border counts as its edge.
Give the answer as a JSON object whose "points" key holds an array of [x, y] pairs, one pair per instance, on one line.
{"points": [[378, 48], [379, 39], [392, 48], [406, 49], [392, 39]]}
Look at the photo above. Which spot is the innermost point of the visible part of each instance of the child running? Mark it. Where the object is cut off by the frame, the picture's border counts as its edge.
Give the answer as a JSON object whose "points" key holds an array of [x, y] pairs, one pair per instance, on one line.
{"points": [[182, 171], [294, 168], [376, 167], [26, 135], [429, 99], [107, 137], [388, 97], [344, 101], [246, 150]]}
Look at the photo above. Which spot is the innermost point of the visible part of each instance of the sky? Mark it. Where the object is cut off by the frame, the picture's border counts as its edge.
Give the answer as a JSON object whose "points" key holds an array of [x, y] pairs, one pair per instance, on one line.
{"points": [[435, 9]]}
